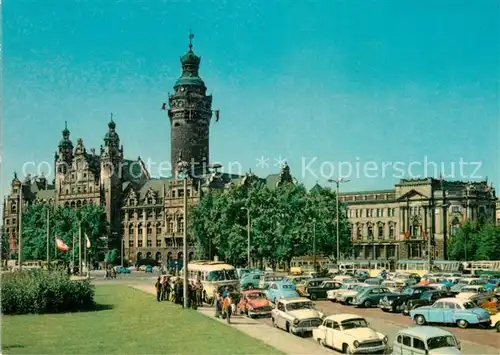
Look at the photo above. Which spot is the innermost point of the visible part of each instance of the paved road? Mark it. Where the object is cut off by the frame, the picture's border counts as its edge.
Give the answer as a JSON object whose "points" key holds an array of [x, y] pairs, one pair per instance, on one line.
{"points": [[474, 341]]}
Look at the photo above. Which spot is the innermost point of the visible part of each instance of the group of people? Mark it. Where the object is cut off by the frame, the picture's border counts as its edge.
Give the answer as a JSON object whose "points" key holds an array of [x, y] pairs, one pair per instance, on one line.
{"points": [[168, 291], [224, 305]]}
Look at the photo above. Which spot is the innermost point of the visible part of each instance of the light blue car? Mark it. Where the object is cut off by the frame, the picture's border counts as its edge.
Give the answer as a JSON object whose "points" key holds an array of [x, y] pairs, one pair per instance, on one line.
{"points": [[280, 289], [461, 312]]}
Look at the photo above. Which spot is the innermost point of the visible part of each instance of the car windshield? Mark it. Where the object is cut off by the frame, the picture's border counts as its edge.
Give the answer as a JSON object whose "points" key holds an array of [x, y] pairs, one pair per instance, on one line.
{"points": [[441, 342], [469, 305], [256, 296], [345, 287], [408, 291], [222, 275], [469, 289], [299, 305], [353, 323]]}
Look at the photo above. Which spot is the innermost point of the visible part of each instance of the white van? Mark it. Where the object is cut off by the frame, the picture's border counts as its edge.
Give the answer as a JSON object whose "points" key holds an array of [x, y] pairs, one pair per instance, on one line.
{"points": [[425, 340]]}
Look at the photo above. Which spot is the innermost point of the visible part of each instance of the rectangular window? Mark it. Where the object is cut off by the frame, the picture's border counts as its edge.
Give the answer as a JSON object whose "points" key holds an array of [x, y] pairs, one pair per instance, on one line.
{"points": [[406, 340], [131, 243], [158, 230], [158, 243], [139, 230], [150, 230], [181, 193], [418, 344], [149, 243], [139, 243]]}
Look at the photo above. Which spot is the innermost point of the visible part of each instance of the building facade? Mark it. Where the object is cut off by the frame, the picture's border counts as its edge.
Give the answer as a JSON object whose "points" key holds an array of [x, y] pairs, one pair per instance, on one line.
{"points": [[418, 216], [145, 215]]}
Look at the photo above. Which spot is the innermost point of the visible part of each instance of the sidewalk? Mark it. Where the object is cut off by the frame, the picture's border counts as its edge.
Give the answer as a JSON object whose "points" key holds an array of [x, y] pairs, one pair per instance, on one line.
{"points": [[284, 342]]}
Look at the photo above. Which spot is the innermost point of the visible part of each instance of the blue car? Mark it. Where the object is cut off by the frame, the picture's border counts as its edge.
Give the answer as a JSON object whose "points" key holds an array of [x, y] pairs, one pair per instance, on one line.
{"points": [[281, 289], [492, 284], [461, 312]]}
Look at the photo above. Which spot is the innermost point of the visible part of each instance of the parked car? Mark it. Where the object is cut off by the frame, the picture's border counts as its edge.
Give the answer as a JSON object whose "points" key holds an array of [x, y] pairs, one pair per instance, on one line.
{"points": [[393, 286], [333, 294], [396, 302], [254, 303], [495, 321], [280, 289], [148, 268], [460, 311], [311, 283], [267, 279], [370, 296], [320, 292], [350, 334], [122, 270], [439, 286], [426, 341], [375, 281], [426, 299], [250, 281], [296, 315], [472, 291], [348, 296]]}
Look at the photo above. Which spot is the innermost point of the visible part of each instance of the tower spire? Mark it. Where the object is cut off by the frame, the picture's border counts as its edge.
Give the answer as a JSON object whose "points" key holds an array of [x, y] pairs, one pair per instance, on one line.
{"points": [[191, 36]]}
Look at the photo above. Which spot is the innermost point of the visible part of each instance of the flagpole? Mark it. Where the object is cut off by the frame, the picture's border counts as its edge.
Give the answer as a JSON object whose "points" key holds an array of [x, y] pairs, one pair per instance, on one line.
{"points": [[73, 252], [80, 248], [85, 255], [48, 237]]}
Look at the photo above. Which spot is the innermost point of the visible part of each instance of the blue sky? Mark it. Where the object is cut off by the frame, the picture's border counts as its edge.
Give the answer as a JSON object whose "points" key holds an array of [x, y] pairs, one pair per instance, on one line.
{"points": [[315, 83]]}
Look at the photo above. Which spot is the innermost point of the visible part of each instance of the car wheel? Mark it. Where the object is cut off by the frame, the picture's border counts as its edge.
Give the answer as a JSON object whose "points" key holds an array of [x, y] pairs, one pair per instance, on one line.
{"points": [[288, 328], [420, 320], [497, 326], [314, 297], [367, 303], [461, 323], [347, 349], [348, 300]]}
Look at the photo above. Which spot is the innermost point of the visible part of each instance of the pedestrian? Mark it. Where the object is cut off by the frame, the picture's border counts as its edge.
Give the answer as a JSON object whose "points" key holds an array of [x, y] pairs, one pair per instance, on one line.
{"points": [[199, 293], [225, 293], [218, 305], [163, 287], [227, 308], [167, 289], [158, 289]]}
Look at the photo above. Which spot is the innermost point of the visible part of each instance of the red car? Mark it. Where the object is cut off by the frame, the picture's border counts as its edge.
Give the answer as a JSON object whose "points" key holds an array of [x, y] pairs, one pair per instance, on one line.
{"points": [[254, 303]]}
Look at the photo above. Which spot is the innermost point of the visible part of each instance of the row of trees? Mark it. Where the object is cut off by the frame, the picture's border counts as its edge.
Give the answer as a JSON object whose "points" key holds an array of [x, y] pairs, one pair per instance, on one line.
{"points": [[286, 221], [475, 241], [64, 223]]}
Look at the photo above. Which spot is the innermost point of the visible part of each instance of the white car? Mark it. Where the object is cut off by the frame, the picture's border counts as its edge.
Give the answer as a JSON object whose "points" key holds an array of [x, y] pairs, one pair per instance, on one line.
{"points": [[348, 296], [425, 340], [296, 315], [333, 294], [495, 321], [394, 286], [471, 291], [350, 334]]}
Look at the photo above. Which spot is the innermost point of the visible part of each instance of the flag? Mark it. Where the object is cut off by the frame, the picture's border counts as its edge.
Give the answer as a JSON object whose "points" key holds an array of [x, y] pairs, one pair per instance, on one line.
{"points": [[61, 245], [407, 235], [422, 232], [12, 242], [217, 112], [164, 106], [88, 241], [143, 169]]}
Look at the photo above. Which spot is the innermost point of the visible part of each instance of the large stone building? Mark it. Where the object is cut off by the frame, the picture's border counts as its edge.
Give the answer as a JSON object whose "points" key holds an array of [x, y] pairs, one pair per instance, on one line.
{"points": [[403, 222], [145, 215]]}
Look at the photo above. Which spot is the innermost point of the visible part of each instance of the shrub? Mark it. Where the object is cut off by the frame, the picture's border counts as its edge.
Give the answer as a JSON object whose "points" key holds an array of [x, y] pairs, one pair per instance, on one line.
{"points": [[40, 291], [146, 262]]}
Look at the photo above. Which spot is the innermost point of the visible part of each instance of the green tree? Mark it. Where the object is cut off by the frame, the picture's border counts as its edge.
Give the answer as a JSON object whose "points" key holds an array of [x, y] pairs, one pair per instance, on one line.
{"points": [[475, 241], [112, 256], [489, 243]]}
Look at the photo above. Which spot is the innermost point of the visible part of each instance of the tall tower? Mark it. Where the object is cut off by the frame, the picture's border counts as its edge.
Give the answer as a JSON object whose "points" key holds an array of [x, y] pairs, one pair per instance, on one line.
{"points": [[190, 111], [111, 182], [63, 158]]}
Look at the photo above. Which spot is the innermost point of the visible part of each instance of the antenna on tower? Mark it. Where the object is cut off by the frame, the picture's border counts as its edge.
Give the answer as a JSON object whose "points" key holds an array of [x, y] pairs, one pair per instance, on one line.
{"points": [[191, 36]]}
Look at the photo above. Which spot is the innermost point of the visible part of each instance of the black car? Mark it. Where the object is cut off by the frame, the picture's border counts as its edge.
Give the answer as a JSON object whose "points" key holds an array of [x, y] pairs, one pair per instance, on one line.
{"points": [[426, 299], [398, 301], [319, 292]]}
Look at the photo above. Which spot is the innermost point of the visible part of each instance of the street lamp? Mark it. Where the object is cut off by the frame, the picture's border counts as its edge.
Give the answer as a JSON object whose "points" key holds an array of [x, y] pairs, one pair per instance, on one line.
{"points": [[183, 173], [248, 234], [337, 182]]}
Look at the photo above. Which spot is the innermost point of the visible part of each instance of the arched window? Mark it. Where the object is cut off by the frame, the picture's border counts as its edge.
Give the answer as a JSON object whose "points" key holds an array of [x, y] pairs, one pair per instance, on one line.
{"points": [[380, 231], [158, 228], [359, 233], [180, 228], [370, 232], [139, 229], [391, 231], [78, 204], [73, 205], [149, 229], [455, 226]]}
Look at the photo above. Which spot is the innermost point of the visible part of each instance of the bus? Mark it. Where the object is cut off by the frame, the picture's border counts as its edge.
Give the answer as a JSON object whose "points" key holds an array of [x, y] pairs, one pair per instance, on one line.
{"points": [[214, 275], [302, 264], [422, 267]]}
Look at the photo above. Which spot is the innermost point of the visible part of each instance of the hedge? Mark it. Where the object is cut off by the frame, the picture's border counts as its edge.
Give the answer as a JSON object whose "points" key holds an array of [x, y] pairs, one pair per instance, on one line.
{"points": [[41, 291]]}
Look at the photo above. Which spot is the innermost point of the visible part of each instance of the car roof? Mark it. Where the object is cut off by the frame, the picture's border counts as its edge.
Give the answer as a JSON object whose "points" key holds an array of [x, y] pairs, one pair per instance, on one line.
{"points": [[294, 299], [343, 316], [424, 332], [460, 301]]}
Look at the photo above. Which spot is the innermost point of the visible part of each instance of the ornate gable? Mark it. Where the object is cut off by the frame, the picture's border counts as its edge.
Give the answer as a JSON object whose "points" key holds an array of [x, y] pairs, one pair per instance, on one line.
{"points": [[412, 195], [131, 198], [151, 197]]}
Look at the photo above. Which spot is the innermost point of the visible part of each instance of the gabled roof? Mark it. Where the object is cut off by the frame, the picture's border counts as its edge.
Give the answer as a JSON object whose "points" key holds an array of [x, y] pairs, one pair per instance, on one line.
{"points": [[411, 194]]}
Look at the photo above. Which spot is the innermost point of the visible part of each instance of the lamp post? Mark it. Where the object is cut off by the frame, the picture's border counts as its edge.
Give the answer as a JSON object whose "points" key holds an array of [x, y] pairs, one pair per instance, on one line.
{"points": [[248, 234], [337, 182], [182, 173]]}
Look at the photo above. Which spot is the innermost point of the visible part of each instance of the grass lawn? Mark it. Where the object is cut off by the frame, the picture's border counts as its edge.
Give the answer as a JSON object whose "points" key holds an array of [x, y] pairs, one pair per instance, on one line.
{"points": [[131, 322]]}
